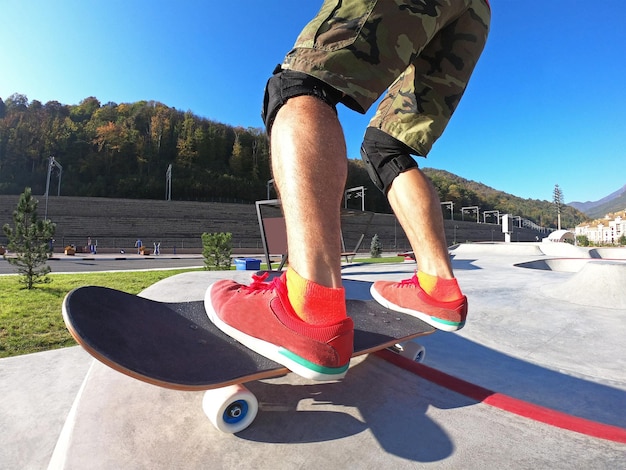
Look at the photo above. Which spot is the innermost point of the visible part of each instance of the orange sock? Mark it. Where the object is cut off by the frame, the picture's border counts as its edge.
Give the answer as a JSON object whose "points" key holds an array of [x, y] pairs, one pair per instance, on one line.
{"points": [[315, 303], [438, 288]]}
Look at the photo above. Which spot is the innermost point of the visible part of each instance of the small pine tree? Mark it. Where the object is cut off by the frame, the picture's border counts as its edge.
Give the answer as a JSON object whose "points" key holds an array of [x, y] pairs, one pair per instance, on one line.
{"points": [[216, 250], [29, 241], [376, 247]]}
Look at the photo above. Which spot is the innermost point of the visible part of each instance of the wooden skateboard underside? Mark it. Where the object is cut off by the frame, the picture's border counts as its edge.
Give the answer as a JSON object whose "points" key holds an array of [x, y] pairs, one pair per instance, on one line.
{"points": [[175, 345]]}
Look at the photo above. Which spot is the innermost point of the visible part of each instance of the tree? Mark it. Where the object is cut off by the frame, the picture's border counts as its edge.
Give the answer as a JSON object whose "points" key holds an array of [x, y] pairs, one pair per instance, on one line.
{"points": [[216, 250], [376, 247], [237, 158], [17, 101], [29, 241]]}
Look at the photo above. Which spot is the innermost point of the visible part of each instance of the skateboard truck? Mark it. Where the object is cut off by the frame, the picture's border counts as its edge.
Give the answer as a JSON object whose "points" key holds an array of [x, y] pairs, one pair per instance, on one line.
{"points": [[233, 408]]}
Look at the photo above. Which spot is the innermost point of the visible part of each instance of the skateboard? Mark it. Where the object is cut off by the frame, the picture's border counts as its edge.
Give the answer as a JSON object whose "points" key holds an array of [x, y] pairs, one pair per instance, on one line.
{"points": [[176, 346]]}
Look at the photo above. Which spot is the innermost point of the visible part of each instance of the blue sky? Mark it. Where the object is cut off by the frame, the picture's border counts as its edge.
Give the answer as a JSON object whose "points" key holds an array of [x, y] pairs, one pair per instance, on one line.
{"points": [[546, 104]]}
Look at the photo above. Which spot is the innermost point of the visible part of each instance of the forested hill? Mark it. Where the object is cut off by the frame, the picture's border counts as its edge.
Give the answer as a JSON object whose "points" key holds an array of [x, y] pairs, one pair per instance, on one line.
{"points": [[124, 150], [465, 193]]}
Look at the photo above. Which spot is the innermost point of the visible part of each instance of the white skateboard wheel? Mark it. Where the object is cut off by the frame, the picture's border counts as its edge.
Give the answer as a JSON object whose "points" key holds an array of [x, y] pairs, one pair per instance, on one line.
{"points": [[230, 409], [411, 350]]}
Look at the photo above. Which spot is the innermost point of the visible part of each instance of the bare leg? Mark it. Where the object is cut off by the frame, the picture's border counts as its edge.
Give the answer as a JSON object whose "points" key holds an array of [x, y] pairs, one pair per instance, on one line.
{"points": [[417, 206], [310, 170], [280, 319]]}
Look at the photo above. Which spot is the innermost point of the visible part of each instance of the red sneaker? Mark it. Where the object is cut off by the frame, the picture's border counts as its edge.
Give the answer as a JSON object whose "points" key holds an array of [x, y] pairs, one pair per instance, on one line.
{"points": [[261, 317], [408, 297]]}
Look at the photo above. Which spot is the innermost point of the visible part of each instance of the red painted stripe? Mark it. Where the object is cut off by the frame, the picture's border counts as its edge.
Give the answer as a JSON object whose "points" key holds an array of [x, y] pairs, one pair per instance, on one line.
{"points": [[508, 403]]}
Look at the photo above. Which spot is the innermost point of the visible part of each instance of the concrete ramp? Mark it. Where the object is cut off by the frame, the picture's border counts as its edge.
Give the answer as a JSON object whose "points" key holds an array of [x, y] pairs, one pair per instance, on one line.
{"points": [[553, 249], [568, 265], [563, 250], [608, 253], [501, 249], [597, 284]]}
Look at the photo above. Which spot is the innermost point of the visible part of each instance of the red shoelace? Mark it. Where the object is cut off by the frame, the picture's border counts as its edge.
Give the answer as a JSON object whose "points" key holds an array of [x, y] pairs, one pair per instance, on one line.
{"points": [[410, 282], [259, 283]]}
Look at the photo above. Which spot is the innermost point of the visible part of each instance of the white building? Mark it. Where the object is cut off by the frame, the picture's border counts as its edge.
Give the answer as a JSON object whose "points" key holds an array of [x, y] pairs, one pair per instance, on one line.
{"points": [[604, 231]]}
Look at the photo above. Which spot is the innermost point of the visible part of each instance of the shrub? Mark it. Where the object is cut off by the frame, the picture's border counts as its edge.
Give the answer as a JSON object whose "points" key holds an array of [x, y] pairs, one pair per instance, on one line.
{"points": [[582, 240], [216, 250], [376, 247]]}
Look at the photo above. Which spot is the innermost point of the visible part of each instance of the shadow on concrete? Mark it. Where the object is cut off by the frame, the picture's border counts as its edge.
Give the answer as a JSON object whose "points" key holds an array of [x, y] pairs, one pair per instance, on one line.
{"points": [[502, 373], [526, 381], [393, 408], [460, 264], [464, 265]]}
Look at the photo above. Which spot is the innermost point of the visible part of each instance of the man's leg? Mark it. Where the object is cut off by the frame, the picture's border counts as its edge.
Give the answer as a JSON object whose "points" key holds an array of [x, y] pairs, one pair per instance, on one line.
{"points": [[415, 112], [416, 204], [299, 319], [432, 294], [310, 170]]}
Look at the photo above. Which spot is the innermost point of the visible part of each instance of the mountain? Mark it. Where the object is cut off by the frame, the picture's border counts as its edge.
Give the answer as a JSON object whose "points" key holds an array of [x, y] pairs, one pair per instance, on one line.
{"points": [[614, 202], [467, 193]]}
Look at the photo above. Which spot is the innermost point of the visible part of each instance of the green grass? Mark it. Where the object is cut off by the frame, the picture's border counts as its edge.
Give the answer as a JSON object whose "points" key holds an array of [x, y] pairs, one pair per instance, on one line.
{"points": [[31, 320]]}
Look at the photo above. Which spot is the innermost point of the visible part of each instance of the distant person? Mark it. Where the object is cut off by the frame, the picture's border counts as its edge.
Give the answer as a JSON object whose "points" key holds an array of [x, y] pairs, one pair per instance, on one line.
{"points": [[92, 246], [422, 55], [138, 245]]}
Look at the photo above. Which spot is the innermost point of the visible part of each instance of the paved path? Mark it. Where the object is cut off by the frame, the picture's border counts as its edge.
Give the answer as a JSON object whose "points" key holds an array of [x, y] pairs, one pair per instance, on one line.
{"points": [[112, 262]]}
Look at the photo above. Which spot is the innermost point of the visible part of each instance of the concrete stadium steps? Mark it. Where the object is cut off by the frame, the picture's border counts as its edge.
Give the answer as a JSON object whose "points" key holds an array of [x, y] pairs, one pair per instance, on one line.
{"points": [[117, 223]]}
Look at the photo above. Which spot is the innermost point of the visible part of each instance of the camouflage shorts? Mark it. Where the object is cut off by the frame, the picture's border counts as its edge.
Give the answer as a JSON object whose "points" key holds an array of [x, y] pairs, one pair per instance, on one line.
{"points": [[422, 52]]}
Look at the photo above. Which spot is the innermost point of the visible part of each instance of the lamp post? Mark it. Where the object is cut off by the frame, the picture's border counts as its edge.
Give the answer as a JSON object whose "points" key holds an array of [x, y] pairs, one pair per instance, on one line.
{"points": [[268, 184], [51, 164], [168, 183]]}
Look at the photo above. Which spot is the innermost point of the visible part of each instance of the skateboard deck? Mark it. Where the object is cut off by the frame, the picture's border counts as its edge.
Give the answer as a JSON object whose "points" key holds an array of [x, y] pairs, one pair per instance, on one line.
{"points": [[175, 345]]}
